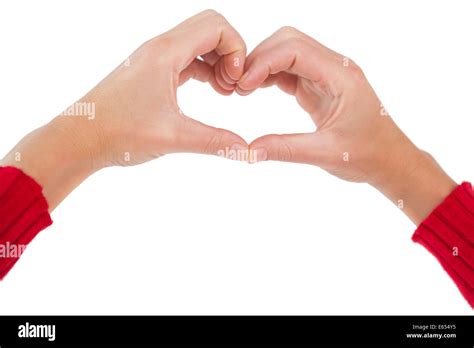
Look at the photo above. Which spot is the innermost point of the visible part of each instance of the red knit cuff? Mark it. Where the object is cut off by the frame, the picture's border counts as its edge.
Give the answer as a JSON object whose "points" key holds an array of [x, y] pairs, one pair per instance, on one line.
{"points": [[448, 233], [23, 213]]}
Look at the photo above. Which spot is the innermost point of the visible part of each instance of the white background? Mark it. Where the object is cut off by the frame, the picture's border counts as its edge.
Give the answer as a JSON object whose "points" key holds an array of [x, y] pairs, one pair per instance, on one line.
{"points": [[191, 234]]}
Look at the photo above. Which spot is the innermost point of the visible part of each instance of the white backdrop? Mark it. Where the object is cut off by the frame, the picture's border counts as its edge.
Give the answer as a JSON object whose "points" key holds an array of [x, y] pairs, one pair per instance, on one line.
{"points": [[191, 234]]}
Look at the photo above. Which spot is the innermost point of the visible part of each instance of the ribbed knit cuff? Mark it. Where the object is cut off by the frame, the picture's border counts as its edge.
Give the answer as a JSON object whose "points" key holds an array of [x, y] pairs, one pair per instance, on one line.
{"points": [[23, 213], [448, 233]]}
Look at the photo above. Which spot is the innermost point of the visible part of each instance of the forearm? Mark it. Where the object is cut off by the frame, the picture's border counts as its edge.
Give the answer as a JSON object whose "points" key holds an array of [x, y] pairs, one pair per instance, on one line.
{"points": [[55, 156]]}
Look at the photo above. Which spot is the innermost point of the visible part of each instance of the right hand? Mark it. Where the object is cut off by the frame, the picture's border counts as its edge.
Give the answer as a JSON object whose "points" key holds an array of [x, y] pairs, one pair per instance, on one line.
{"points": [[355, 139]]}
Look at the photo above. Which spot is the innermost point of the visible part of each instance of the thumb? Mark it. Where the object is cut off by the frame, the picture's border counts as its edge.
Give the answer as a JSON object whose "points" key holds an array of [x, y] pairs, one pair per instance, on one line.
{"points": [[197, 137], [306, 148]]}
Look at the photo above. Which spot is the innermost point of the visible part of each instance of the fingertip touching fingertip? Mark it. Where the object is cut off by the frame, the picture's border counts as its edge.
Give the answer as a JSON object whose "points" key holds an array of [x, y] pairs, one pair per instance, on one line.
{"points": [[236, 152], [241, 92], [257, 155], [245, 83]]}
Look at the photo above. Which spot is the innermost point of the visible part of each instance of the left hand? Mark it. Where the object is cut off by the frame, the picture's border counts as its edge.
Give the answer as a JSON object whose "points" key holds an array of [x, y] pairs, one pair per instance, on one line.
{"points": [[132, 116], [136, 105]]}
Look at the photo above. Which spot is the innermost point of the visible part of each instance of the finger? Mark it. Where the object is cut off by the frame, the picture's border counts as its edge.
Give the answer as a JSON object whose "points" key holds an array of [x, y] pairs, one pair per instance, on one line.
{"points": [[299, 148], [206, 32], [297, 58], [288, 34], [283, 80], [211, 58], [289, 51], [201, 71], [218, 74], [197, 137], [197, 70], [225, 76]]}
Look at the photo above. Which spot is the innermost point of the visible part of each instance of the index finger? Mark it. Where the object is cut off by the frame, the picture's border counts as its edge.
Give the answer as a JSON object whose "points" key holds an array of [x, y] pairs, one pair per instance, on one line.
{"points": [[291, 51], [206, 32]]}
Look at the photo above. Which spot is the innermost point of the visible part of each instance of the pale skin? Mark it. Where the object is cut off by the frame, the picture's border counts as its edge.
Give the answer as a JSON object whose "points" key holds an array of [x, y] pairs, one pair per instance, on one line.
{"points": [[138, 118]]}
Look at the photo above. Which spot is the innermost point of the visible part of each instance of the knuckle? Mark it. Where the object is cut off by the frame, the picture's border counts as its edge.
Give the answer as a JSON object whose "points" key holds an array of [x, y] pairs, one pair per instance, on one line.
{"points": [[291, 38], [158, 44], [285, 153], [216, 17], [354, 71], [210, 12], [352, 66], [288, 31]]}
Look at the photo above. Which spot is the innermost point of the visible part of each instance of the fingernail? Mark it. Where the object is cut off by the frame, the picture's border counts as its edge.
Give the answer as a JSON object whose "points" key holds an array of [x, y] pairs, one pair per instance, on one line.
{"points": [[258, 155], [244, 76], [243, 81]]}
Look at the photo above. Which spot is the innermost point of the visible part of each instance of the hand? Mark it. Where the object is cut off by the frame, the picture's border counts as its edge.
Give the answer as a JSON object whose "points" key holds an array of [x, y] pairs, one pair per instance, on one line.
{"points": [[132, 116], [355, 138], [138, 117]]}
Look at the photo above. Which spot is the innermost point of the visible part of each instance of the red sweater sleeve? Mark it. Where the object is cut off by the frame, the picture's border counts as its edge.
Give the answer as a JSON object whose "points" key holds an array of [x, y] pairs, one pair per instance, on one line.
{"points": [[448, 233], [23, 213]]}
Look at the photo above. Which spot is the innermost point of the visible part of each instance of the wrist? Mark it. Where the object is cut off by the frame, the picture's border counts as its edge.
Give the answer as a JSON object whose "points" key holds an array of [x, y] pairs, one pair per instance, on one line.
{"points": [[413, 180], [59, 156]]}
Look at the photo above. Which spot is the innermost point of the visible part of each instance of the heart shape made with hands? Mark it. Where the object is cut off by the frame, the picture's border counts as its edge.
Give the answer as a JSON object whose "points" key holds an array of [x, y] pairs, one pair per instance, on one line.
{"points": [[285, 59], [328, 86]]}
